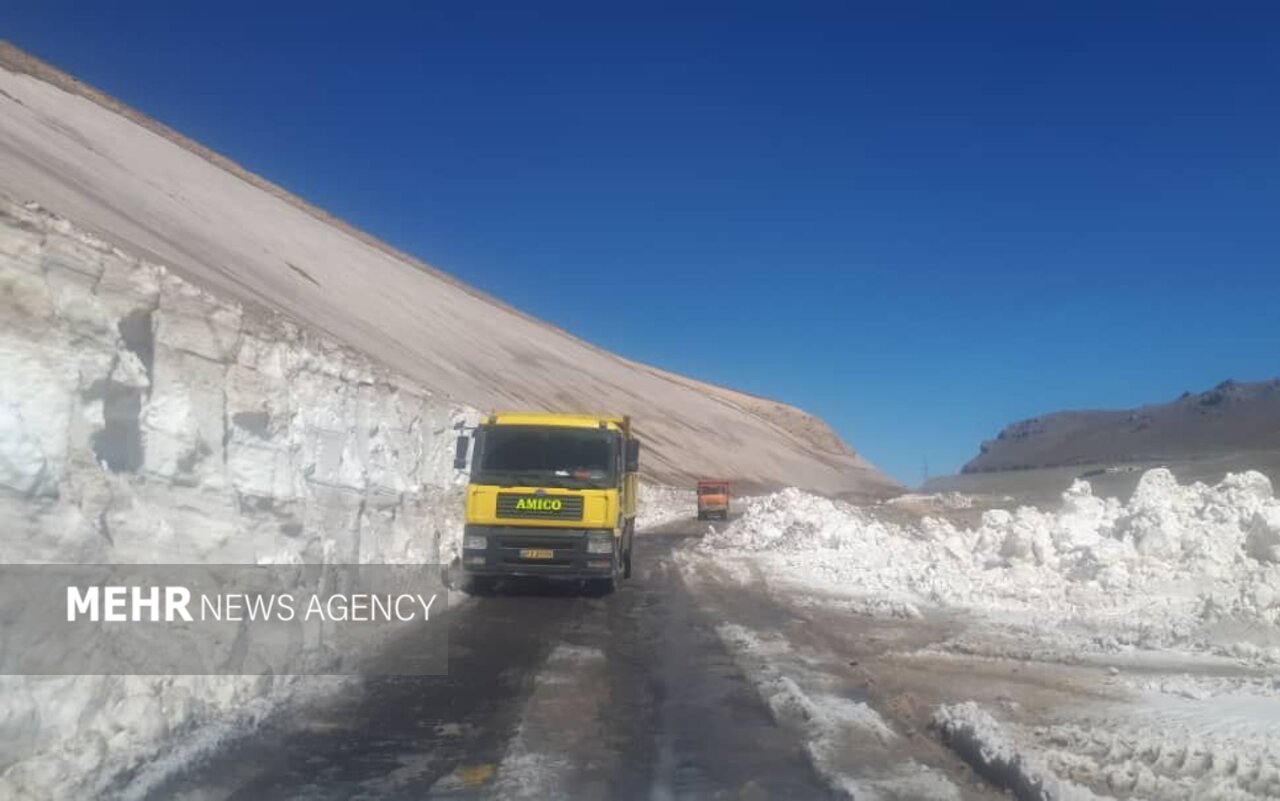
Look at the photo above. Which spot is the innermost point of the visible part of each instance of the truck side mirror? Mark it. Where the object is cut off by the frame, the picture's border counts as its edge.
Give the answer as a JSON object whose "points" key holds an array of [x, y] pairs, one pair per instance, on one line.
{"points": [[633, 455], [460, 452]]}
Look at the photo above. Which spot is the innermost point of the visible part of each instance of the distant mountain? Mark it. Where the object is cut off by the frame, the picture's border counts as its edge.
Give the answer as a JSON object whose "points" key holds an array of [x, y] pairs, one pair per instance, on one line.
{"points": [[1230, 418]]}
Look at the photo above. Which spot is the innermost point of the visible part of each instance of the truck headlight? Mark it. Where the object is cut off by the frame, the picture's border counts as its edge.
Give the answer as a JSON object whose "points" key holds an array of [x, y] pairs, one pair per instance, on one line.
{"points": [[600, 542], [475, 542]]}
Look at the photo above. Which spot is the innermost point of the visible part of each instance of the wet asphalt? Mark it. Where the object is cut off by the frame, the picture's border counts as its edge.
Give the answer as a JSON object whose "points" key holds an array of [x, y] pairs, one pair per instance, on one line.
{"points": [[662, 712]]}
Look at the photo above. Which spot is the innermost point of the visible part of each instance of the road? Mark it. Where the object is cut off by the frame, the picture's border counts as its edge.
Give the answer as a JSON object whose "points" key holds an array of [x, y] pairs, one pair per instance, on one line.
{"points": [[549, 694]]}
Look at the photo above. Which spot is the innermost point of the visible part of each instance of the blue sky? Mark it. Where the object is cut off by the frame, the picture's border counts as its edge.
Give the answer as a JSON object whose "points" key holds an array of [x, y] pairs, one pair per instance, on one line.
{"points": [[920, 221]]}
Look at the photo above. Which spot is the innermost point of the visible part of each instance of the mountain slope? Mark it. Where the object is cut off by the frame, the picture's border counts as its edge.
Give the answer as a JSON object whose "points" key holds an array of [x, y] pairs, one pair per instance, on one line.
{"points": [[155, 193], [1232, 417]]}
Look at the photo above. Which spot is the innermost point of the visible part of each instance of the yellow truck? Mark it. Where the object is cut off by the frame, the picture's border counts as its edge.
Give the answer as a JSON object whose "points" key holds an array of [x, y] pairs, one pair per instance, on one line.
{"points": [[551, 495]]}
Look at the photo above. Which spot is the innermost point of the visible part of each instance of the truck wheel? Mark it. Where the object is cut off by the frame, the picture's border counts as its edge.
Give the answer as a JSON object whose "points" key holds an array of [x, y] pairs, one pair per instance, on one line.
{"points": [[480, 585], [599, 588]]}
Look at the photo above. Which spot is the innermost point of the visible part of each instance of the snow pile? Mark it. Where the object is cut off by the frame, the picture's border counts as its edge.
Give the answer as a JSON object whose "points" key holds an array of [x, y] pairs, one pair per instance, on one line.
{"points": [[1201, 687], [660, 504], [793, 520], [976, 736], [1172, 559], [940, 500], [143, 420]]}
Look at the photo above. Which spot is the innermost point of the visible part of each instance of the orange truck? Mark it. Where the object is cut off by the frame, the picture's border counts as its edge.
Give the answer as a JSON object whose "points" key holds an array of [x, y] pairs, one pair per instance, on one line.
{"points": [[713, 499]]}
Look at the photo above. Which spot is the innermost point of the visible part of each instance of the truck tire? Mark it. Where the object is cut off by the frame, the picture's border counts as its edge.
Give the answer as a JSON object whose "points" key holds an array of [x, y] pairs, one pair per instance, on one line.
{"points": [[480, 585], [629, 541], [599, 588]]}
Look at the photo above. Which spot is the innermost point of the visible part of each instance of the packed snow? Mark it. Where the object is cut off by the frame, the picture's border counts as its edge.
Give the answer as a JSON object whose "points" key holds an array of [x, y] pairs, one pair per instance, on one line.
{"points": [[1176, 566], [1171, 748], [1154, 747], [143, 420], [659, 505], [942, 500], [974, 733]]}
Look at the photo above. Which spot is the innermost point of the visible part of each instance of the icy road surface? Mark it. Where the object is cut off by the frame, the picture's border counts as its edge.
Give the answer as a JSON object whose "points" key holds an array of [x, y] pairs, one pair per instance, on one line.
{"points": [[550, 695]]}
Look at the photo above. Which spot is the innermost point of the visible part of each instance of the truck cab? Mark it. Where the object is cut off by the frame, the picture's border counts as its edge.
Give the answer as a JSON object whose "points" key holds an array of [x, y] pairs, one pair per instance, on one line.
{"points": [[713, 499], [550, 496]]}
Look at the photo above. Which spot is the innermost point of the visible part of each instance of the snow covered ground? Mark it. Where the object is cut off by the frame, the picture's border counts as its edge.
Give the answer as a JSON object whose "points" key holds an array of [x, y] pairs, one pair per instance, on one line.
{"points": [[1111, 648]]}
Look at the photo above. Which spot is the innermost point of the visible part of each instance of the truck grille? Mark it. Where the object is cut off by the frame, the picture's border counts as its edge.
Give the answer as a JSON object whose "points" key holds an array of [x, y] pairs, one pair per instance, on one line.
{"points": [[573, 542], [539, 507]]}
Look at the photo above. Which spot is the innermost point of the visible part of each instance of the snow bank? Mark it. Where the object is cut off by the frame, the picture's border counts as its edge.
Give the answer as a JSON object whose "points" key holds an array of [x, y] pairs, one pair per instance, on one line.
{"points": [[145, 420], [1157, 571], [976, 736], [659, 504], [941, 500], [1158, 747]]}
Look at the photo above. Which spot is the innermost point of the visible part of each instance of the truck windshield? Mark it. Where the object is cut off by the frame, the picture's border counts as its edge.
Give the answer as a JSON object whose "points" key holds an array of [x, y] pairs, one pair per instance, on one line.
{"points": [[547, 457]]}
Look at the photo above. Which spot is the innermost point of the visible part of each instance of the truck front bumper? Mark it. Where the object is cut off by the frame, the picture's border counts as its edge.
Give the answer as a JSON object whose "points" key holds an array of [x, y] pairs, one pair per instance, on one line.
{"points": [[558, 553]]}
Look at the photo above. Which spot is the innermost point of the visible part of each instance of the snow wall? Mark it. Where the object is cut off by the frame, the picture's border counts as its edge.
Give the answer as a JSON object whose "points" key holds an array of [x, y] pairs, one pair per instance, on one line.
{"points": [[143, 420]]}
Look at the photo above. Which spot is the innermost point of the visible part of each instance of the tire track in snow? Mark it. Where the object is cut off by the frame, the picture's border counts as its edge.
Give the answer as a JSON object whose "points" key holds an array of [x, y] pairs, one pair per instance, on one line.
{"points": [[557, 750]]}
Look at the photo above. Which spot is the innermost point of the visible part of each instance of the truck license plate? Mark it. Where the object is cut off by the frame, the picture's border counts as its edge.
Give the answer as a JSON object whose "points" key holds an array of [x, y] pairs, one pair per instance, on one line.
{"points": [[537, 553]]}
